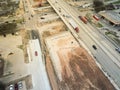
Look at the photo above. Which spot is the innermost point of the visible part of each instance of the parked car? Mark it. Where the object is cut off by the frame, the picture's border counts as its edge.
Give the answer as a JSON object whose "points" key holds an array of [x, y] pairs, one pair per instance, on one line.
{"points": [[31, 15], [16, 86], [20, 85], [11, 87], [118, 29], [36, 53]]}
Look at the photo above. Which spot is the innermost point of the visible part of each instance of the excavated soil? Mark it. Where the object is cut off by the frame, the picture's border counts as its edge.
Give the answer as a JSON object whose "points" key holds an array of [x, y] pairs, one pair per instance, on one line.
{"points": [[73, 67], [79, 72]]}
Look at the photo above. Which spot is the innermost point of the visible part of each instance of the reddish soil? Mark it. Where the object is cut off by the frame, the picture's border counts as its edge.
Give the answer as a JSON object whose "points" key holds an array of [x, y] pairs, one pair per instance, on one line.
{"points": [[80, 72]]}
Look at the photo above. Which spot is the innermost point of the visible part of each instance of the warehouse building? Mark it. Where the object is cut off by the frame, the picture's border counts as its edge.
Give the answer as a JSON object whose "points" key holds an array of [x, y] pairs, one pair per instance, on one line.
{"points": [[111, 16]]}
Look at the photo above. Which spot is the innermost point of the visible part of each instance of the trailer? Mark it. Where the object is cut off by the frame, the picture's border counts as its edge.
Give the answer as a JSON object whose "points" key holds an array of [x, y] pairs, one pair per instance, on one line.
{"points": [[95, 17], [83, 19], [74, 25]]}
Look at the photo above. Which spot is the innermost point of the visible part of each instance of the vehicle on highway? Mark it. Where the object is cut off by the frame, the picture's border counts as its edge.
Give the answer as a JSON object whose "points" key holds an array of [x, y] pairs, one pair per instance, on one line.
{"points": [[20, 85], [117, 49], [83, 19], [11, 87], [74, 25], [96, 17], [94, 47]]}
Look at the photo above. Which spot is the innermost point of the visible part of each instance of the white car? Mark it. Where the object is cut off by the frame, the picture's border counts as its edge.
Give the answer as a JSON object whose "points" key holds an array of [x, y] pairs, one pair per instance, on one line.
{"points": [[20, 85], [11, 87]]}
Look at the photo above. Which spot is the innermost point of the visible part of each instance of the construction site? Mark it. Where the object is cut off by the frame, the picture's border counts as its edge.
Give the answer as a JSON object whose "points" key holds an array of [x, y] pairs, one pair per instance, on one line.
{"points": [[68, 63]]}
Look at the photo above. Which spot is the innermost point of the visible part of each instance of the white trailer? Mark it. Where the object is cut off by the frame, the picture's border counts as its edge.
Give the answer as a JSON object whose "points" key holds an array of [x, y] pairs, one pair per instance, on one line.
{"points": [[74, 25]]}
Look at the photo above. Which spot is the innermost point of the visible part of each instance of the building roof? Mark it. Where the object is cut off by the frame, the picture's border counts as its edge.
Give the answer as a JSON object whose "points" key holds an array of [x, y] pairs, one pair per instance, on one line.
{"points": [[112, 16]]}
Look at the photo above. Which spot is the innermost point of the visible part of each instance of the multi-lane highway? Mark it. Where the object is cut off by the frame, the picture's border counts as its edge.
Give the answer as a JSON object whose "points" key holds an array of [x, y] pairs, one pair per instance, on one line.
{"points": [[105, 53]]}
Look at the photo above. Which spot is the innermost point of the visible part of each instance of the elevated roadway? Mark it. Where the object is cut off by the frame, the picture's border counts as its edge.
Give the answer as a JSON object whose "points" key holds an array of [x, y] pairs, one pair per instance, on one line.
{"points": [[105, 54]]}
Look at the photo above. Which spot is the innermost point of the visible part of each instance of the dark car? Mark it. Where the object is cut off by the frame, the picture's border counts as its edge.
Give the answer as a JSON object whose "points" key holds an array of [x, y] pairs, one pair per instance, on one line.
{"points": [[31, 15], [117, 49], [94, 47], [118, 29], [16, 86]]}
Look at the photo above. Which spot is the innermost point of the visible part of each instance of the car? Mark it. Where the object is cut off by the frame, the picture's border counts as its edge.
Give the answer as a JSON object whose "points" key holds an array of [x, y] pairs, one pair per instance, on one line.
{"points": [[16, 86], [94, 47], [117, 49], [118, 29], [20, 85], [11, 87], [42, 18], [36, 53], [31, 15]]}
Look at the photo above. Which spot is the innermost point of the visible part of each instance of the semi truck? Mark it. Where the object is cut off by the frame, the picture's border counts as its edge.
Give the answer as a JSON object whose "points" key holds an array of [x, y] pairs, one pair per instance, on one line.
{"points": [[95, 17], [74, 25], [83, 19]]}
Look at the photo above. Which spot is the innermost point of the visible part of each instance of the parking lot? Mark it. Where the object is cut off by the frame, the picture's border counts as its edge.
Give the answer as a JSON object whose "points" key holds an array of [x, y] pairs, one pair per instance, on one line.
{"points": [[12, 53]]}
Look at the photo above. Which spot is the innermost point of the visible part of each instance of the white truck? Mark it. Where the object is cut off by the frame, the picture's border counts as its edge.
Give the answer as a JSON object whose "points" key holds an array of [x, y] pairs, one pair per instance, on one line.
{"points": [[74, 25]]}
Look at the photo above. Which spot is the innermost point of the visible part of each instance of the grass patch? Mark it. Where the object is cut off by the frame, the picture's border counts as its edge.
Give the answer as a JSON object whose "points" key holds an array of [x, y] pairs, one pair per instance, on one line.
{"points": [[99, 25], [117, 2]]}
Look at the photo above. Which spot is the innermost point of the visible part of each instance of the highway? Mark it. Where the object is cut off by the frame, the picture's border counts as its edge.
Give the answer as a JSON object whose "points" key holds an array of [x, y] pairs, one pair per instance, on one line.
{"points": [[105, 54]]}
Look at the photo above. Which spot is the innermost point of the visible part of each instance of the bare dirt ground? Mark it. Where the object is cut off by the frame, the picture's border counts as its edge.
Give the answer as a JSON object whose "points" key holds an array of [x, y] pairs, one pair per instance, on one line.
{"points": [[51, 74], [82, 73], [25, 38], [46, 30], [77, 67]]}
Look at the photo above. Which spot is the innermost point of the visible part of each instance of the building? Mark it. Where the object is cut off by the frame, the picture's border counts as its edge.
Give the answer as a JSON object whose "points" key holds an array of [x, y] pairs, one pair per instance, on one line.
{"points": [[111, 16]]}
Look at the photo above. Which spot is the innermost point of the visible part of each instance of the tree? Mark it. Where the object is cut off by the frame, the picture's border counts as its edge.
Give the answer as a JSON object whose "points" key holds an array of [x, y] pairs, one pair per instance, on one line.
{"points": [[7, 28], [98, 5], [2, 86]]}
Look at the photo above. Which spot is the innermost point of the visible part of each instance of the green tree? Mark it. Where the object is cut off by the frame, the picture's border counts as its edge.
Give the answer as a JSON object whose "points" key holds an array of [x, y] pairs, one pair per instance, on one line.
{"points": [[98, 5], [7, 28]]}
